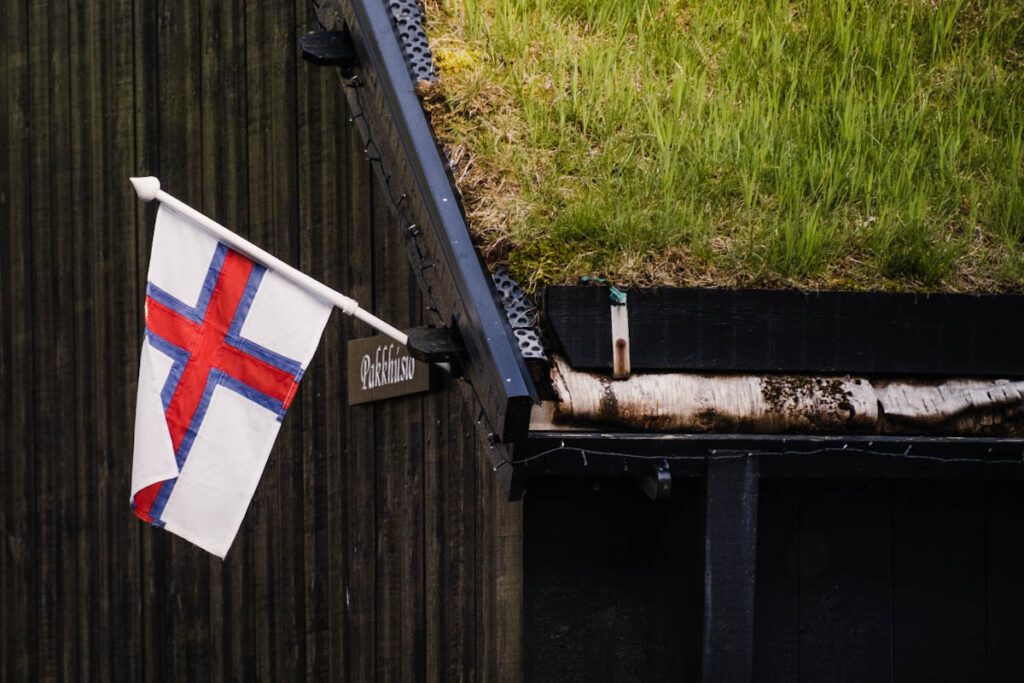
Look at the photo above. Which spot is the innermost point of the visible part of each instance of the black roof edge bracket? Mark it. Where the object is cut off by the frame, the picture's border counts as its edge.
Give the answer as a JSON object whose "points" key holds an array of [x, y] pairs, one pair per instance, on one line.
{"points": [[435, 344], [329, 48]]}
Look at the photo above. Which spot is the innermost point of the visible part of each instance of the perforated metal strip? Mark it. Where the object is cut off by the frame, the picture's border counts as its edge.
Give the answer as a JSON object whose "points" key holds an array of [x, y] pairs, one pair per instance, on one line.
{"points": [[522, 315], [408, 19]]}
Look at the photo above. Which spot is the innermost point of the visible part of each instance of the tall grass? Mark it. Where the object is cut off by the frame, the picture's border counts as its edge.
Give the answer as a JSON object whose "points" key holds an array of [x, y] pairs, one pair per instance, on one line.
{"points": [[824, 143]]}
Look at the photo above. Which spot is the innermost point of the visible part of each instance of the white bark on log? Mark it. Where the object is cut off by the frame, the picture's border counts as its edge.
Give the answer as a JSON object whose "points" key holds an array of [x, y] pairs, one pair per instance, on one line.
{"points": [[958, 406], [726, 403], [688, 402]]}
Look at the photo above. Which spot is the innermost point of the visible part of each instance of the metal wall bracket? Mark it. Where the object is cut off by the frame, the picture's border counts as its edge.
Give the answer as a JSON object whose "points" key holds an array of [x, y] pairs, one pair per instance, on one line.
{"points": [[433, 344], [329, 48], [657, 484]]}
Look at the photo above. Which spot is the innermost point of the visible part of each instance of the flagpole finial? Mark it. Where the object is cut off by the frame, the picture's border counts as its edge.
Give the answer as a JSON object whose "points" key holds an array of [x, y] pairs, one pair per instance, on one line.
{"points": [[147, 187]]}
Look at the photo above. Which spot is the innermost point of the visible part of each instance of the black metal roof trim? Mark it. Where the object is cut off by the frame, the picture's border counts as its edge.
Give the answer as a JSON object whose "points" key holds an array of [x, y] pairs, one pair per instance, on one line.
{"points": [[408, 20], [385, 99], [552, 453], [736, 330]]}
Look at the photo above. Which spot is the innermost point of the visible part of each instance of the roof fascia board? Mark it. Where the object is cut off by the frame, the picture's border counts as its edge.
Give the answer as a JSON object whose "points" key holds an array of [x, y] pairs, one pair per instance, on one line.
{"points": [[793, 331], [494, 365]]}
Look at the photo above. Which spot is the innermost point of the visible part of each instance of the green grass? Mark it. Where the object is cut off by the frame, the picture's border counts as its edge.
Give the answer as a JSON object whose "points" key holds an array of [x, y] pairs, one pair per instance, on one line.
{"points": [[822, 143]]}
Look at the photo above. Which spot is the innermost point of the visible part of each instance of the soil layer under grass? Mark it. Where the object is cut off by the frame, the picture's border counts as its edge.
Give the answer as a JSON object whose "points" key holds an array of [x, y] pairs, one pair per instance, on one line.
{"points": [[826, 143]]}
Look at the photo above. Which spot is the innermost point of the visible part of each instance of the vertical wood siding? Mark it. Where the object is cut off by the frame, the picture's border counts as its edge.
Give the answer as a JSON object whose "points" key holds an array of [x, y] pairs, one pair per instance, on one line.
{"points": [[857, 580], [889, 580], [377, 545]]}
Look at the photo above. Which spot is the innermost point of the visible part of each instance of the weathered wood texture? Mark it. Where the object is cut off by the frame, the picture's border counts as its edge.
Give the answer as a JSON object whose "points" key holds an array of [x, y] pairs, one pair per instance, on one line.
{"points": [[377, 545]]}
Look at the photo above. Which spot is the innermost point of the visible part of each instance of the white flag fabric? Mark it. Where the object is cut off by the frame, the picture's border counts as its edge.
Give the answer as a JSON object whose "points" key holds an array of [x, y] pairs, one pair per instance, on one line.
{"points": [[226, 344]]}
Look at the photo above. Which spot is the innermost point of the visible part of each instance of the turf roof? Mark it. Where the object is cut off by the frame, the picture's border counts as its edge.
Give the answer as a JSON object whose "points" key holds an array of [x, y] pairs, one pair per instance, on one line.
{"points": [[822, 143]]}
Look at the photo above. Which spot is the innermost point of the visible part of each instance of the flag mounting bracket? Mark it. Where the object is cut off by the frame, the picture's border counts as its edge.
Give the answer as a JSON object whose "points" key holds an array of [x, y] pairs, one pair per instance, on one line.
{"points": [[329, 48], [435, 344]]}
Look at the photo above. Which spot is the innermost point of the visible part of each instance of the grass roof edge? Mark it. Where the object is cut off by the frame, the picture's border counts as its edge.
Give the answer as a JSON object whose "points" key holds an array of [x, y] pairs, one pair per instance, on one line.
{"points": [[827, 144]]}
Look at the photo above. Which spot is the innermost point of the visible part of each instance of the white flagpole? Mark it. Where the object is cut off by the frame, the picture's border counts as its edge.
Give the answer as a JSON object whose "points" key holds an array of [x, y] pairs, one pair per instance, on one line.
{"points": [[148, 189]]}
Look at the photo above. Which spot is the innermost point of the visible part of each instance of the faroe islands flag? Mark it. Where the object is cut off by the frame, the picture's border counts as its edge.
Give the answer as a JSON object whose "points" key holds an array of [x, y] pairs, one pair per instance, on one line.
{"points": [[226, 344]]}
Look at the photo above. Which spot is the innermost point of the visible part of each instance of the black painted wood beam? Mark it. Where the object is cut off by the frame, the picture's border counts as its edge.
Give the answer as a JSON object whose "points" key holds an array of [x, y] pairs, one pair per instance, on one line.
{"points": [[730, 330], [730, 556]]}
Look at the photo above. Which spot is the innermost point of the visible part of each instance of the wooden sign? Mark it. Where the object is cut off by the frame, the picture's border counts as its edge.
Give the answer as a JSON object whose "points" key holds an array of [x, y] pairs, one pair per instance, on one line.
{"points": [[380, 368]]}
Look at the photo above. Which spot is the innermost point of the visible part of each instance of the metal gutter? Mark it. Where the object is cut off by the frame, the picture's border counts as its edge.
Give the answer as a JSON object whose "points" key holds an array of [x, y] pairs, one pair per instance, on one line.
{"points": [[494, 365]]}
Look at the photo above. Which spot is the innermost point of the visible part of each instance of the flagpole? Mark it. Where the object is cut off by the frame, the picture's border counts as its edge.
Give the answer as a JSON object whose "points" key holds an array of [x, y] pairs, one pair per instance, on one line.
{"points": [[148, 189]]}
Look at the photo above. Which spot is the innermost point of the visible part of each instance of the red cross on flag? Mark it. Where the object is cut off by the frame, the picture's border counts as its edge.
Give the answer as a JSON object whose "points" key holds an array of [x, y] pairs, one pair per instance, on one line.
{"points": [[227, 341]]}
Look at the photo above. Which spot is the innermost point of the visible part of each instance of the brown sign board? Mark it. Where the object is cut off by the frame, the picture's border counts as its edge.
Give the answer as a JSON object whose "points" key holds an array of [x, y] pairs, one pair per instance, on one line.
{"points": [[380, 368]]}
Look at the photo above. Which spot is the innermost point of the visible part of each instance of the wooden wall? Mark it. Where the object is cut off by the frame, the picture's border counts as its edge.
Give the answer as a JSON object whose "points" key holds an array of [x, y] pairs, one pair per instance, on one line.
{"points": [[889, 580], [377, 546], [614, 590], [857, 580]]}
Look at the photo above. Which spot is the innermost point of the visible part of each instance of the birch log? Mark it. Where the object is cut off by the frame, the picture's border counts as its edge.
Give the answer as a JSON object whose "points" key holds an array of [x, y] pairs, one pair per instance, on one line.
{"points": [[956, 406], [688, 402], [716, 403]]}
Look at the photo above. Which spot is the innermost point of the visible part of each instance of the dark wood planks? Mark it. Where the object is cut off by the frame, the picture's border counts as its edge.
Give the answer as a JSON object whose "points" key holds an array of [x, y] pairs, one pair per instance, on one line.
{"points": [[8, 285], [777, 593], [910, 581], [50, 261], [846, 582], [857, 580], [793, 331], [399, 457], [323, 202], [359, 457], [500, 559], [730, 572], [612, 581], [125, 579], [19, 614], [1005, 566], [90, 329], [450, 531], [329, 575], [939, 583]]}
